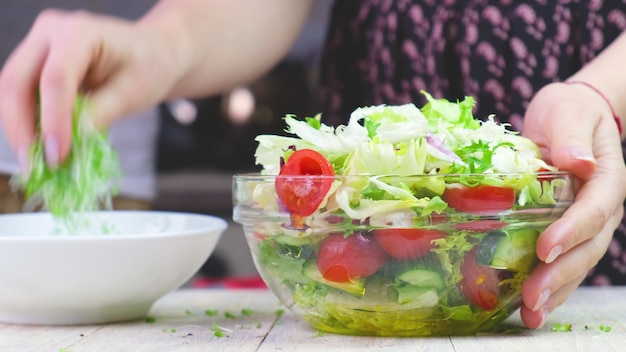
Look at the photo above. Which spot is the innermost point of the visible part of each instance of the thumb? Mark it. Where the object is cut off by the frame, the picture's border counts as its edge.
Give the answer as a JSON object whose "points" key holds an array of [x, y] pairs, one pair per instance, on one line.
{"points": [[572, 148]]}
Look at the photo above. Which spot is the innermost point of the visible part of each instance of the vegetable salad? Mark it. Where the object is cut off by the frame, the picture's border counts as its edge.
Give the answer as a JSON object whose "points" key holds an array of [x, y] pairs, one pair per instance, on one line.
{"points": [[406, 221]]}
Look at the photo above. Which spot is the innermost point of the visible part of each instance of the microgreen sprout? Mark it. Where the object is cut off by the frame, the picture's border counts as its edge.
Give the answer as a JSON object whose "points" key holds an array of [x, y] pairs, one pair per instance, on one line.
{"points": [[229, 315], [210, 312], [321, 333], [562, 327], [83, 182], [220, 331], [150, 320]]}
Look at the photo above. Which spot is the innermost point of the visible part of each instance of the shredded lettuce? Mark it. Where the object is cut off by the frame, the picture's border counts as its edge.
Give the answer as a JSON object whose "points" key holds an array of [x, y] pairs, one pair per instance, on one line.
{"points": [[539, 192], [84, 182], [442, 137], [442, 111]]}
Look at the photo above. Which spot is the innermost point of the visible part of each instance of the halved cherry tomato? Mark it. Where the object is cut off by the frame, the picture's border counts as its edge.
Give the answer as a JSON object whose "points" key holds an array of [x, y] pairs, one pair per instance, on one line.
{"points": [[480, 199], [407, 243], [302, 195], [341, 259], [480, 282]]}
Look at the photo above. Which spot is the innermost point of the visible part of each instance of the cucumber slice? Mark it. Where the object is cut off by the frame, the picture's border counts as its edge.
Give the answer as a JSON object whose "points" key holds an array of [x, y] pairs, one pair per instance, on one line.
{"points": [[422, 278], [421, 302], [511, 250], [415, 284], [424, 296], [292, 241]]}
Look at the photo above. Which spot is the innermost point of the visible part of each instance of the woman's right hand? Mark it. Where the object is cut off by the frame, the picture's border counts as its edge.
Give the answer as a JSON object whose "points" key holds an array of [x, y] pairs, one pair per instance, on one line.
{"points": [[123, 66], [180, 48]]}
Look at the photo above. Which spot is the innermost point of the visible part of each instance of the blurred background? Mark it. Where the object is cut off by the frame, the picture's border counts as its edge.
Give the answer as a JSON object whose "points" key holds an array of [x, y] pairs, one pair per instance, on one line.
{"points": [[202, 143]]}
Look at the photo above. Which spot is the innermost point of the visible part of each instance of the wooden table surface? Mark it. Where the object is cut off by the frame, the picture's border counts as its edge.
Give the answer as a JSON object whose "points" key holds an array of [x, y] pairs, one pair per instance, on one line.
{"points": [[251, 320]]}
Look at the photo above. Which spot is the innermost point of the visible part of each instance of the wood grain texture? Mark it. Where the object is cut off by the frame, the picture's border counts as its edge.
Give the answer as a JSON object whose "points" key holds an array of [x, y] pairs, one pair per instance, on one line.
{"points": [[251, 321]]}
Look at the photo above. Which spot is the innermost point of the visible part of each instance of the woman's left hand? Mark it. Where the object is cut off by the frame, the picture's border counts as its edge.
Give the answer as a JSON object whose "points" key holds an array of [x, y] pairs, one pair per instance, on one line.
{"points": [[575, 129]]}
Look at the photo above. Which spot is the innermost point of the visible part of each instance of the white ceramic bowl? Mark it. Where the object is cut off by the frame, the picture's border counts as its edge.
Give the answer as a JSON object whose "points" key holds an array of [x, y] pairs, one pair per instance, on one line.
{"points": [[52, 279]]}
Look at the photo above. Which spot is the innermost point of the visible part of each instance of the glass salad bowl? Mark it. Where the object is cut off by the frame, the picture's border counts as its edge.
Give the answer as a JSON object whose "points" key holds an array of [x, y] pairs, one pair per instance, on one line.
{"points": [[399, 255]]}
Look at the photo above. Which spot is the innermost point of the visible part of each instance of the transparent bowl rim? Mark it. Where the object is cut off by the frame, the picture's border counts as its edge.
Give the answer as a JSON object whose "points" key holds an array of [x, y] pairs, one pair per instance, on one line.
{"points": [[558, 174]]}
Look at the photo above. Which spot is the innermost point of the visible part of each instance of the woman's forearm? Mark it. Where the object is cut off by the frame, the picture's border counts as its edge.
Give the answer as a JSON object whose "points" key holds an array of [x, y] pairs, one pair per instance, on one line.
{"points": [[219, 44], [606, 73]]}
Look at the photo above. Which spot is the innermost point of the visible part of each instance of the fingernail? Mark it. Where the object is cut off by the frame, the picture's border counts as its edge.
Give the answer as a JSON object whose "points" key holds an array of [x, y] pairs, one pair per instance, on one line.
{"points": [[52, 152], [554, 253], [580, 154], [22, 159], [543, 298], [545, 313]]}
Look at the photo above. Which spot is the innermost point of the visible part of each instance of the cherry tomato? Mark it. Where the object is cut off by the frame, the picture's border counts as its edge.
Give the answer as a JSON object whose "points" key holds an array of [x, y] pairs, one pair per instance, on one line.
{"points": [[259, 236], [480, 199], [302, 195], [341, 259], [480, 282], [407, 243]]}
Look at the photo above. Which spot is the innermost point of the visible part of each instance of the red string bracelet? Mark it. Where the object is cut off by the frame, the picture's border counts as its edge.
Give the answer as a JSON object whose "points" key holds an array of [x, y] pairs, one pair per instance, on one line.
{"points": [[618, 121]]}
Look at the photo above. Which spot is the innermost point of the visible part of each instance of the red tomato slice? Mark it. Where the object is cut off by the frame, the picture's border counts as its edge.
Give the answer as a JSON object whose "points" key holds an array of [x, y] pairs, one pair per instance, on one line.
{"points": [[407, 243], [341, 259], [480, 283], [302, 195], [480, 199]]}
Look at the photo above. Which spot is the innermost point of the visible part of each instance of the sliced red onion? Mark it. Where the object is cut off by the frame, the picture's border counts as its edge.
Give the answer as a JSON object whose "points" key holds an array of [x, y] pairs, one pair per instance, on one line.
{"points": [[437, 143], [362, 241]]}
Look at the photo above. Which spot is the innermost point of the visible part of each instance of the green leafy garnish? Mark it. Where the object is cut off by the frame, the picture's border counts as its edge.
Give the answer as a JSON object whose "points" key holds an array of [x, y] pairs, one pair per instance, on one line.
{"points": [[246, 311], [82, 183], [562, 327], [220, 331], [150, 320], [210, 312], [229, 315], [479, 156], [602, 328]]}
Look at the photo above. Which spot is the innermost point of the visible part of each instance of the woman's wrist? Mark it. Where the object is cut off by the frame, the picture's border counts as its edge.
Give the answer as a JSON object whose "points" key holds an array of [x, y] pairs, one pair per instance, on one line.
{"points": [[604, 74], [616, 117], [172, 42]]}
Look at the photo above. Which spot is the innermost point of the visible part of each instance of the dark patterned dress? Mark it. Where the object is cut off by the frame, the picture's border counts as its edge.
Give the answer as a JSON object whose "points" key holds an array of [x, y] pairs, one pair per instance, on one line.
{"points": [[499, 51]]}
